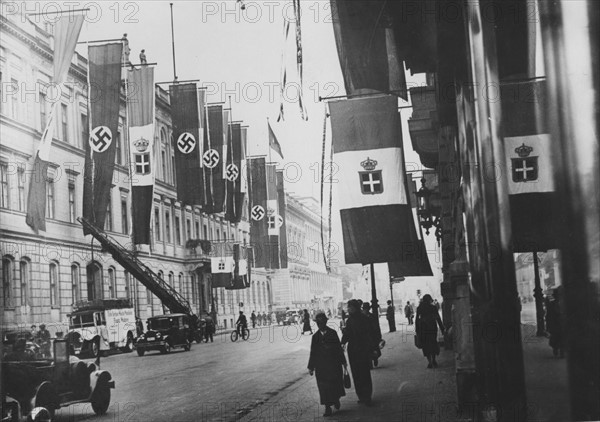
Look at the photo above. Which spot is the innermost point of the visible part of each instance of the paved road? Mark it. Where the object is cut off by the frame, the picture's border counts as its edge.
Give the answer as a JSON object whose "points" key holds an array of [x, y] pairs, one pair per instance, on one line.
{"points": [[218, 381]]}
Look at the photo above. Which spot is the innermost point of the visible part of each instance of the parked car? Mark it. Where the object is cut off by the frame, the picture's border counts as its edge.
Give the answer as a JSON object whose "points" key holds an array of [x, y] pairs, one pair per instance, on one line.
{"points": [[292, 316], [42, 385], [166, 332]]}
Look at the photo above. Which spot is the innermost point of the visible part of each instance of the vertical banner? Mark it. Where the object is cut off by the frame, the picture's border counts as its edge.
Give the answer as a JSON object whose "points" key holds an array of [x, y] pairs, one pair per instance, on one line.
{"points": [[233, 172], [104, 81], [212, 161], [528, 149], [283, 257], [258, 210], [377, 220], [140, 102], [274, 221], [66, 34], [222, 264], [187, 114]]}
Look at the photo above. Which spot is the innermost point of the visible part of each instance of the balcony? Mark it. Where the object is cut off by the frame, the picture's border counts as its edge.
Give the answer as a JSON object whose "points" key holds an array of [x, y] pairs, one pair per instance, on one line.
{"points": [[424, 125]]}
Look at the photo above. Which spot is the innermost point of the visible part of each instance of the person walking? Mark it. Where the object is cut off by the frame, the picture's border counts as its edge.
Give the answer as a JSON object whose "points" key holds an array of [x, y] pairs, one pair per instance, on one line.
{"points": [[326, 362], [43, 340], [553, 325], [375, 332], [426, 326], [409, 313], [306, 322], [209, 327], [253, 319], [360, 348], [390, 315]]}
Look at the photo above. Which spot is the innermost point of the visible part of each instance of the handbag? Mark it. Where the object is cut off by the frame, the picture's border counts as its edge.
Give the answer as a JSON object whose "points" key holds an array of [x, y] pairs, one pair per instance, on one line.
{"points": [[347, 383], [417, 342]]}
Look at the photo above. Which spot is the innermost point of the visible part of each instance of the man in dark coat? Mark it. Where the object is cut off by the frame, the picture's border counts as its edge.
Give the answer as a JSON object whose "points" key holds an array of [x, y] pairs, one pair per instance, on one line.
{"points": [[375, 332], [360, 351], [326, 360], [253, 319], [390, 315], [426, 326]]}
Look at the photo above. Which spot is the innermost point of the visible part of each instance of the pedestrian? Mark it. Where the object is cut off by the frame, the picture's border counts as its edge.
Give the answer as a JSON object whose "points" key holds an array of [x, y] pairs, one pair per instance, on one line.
{"points": [[327, 362], [426, 326], [390, 315], [139, 327], [375, 332], [553, 325], [209, 327], [33, 332], [43, 340], [143, 57], [253, 319], [360, 348], [306, 321], [409, 313]]}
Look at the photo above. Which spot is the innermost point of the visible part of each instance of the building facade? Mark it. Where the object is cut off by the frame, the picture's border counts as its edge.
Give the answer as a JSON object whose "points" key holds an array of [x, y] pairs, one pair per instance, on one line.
{"points": [[306, 284], [44, 274]]}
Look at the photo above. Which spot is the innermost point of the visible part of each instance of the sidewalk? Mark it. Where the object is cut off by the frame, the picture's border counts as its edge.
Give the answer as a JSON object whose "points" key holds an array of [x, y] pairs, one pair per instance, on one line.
{"points": [[403, 390]]}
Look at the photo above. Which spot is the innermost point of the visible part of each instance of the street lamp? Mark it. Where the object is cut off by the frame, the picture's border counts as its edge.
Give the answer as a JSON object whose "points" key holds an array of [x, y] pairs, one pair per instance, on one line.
{"points": [[428, 214]]}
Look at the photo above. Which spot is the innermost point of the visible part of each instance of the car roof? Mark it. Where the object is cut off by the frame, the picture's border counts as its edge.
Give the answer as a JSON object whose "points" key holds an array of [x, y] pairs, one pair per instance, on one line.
{"points": [[167, 316]]}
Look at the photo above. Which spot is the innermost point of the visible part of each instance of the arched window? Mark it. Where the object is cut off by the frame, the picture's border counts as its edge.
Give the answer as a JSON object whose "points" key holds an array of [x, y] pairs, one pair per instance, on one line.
{"points": [[127, 285], [112, 283], [194, 288], [54, 284], [180, 286], [75, 282], [25, 279], [93, 274], [171, 280], [8, 269], [163, 154]]}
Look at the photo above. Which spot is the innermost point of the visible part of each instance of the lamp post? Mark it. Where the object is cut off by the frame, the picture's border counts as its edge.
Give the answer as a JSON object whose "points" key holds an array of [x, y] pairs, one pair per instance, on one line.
{"points": [[539, 298], [428, 214]]}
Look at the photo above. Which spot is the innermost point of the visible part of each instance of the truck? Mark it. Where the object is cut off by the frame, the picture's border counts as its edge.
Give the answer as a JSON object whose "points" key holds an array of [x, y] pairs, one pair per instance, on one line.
{"points": [[101, 325]]}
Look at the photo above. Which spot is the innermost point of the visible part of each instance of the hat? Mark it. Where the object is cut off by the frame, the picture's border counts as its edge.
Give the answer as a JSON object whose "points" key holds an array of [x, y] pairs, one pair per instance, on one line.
{"points": [[42, 326]]}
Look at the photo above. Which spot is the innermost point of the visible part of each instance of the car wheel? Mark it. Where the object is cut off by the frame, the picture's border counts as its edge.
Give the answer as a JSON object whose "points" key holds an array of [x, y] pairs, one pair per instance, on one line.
{"points": [[129, 345], [95, 347], [101, 401], [140, 352]]}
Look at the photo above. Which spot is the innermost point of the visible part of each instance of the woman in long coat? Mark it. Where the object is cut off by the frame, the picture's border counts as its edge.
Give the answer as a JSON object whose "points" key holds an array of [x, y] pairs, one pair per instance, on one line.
{"points": [[357, 334], [426, 325], [306, 321], [326, 361]]}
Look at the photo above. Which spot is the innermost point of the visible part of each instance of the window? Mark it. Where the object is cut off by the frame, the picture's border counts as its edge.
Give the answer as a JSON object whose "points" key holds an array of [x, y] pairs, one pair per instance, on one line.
{"points": [[94, 281], [188, 229], [180, 284], [157, 224], [72, 203], [127, 285], [163, 157], [112, 283], [21, 188], [4, 186], [108, 221], [177, 230], [118, 158], [7, 281], [206, 232], [24, 276], [194, 288], [54, 284], [75, 282], [197, 227], [50, 198], [14, 103], [171, 280], [85, 130], [168, 226], [43, 111], [64, 123], [173, 176], [124, 215]]}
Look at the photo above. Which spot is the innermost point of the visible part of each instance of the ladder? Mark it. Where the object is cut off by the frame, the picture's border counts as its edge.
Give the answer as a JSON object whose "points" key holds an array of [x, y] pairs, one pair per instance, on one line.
{"points": [[169, 297]]}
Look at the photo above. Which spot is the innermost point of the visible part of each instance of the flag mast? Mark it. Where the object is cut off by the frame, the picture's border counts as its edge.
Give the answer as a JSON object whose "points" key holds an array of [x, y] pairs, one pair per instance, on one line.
{"points": [[173, 44]]}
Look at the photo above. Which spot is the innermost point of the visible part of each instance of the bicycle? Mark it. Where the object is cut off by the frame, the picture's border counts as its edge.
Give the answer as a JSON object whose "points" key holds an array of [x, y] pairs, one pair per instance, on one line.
{"points": [[235, 334]]}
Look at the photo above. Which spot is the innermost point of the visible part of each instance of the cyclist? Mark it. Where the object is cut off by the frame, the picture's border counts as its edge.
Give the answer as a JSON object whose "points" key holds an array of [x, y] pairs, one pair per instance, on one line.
{"points": [[241, 323]]}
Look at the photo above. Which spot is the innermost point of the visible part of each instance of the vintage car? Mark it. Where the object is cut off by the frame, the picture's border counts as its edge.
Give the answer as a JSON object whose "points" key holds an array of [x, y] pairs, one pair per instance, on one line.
{"points": [[166, 332], [292, 316], [32, 385]]}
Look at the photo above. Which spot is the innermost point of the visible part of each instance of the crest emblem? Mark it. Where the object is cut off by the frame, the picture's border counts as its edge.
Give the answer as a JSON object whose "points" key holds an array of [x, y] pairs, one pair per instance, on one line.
{"points": [[222, 265], [100, 138], [371, 181], [525, 168], [210, 158], [258, 212], [186, 143]]}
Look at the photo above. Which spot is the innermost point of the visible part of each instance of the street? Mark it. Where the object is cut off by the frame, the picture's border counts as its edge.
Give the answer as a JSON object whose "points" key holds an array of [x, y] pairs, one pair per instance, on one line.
{"points": [[214, 381]]}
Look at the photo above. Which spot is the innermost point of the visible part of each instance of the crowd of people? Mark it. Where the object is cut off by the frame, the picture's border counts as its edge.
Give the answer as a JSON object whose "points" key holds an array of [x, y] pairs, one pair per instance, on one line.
{"points": [[362, 340]]}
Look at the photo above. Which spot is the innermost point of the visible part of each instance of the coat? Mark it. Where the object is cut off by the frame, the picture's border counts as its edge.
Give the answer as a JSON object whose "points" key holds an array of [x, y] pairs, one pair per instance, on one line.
{"points": [[361, 345], [426, 325], [326, 359]]}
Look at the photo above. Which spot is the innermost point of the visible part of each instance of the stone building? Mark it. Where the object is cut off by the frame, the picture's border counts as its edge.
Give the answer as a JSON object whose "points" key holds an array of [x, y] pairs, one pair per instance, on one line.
{"points": [[44, 275]]}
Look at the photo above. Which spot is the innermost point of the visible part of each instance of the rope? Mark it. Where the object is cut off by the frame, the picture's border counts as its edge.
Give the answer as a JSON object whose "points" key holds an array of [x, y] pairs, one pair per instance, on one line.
{"points": [[286, 31], [297, 15], [324, 146]]}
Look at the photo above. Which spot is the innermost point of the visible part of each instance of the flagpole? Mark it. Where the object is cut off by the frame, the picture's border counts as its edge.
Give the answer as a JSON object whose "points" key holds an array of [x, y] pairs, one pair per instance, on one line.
{"points": [[374, 301], [173, 43]]}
